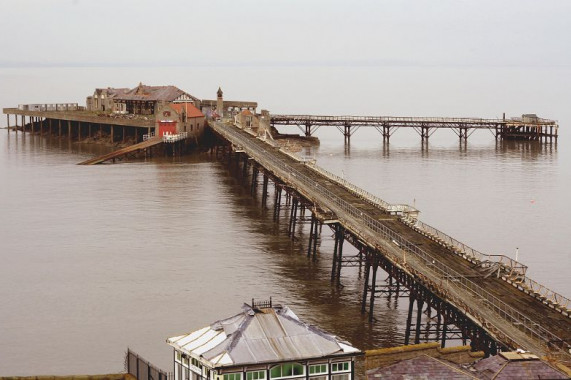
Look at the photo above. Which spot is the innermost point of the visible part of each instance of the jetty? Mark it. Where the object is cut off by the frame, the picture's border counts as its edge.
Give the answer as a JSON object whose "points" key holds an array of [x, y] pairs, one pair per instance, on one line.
{"points": [[487, 299], [529, 127]]}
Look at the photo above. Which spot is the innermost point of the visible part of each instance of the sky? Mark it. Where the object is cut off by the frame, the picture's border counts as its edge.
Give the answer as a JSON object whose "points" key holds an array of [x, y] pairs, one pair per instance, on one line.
{"points": [[280, 32]]}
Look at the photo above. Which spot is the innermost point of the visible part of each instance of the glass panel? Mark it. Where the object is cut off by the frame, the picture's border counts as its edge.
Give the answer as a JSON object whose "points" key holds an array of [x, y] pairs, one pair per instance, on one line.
{"points": [[287, 369], [298, 369], [317, 369], [276, 372], [340, 367]]}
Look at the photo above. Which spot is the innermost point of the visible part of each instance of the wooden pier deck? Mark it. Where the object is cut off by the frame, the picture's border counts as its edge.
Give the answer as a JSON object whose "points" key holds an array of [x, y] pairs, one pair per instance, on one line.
{"points": [[504, 305], [528, 127], [153, 141]]}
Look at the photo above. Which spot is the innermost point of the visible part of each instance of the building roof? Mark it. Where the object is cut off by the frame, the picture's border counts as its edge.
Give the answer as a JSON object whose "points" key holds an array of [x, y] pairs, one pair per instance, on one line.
{"points": [[420, 367], [260, 336], [514, 365], [189, 108], [112, 92], [153, 93]]}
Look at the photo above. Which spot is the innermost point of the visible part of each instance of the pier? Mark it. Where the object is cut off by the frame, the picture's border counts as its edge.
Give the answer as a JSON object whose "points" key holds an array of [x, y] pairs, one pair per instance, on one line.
{"points": [[486, 299], [529, 127], [74, 123]]}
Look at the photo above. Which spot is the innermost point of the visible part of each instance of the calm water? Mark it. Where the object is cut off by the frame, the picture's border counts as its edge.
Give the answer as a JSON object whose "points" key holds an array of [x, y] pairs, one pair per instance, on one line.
{"points": [[95, 259]]}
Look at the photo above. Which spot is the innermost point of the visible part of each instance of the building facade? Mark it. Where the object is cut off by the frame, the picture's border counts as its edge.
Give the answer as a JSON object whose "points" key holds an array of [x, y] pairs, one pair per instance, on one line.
{"points": [[263, 342], [141, 100], [173, 118]]}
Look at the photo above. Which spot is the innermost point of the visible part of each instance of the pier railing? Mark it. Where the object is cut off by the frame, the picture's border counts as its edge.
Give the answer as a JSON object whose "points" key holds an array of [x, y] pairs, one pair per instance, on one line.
{"points": [[410, 214], [170, 138], [379, 120], [432, 263], [50, 107], [147, 136]]}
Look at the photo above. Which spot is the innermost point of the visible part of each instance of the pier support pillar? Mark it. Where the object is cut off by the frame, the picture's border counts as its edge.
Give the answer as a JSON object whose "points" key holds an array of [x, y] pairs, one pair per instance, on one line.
{"points": [[341, 237], [254, 184], [277, 202], [366, 280], [69, 129], [419, 305], [264, 188], [335, 249], [307, 129], [409, 320], [8, 122], [79, 131], [373, 287]]}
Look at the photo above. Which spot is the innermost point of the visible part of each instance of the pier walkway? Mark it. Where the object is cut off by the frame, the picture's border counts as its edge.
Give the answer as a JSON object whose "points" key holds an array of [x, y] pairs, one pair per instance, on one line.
{"points": [[120, 153], [490, 291], [528, 127]]}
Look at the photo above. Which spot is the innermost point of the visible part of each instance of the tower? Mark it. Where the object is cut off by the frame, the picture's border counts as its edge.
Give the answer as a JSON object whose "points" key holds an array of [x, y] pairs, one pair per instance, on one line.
{"points": [[219, 103]]}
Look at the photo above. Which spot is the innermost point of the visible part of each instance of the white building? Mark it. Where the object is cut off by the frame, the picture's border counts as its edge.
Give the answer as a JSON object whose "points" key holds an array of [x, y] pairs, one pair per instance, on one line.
{"points": [[263, 342]]}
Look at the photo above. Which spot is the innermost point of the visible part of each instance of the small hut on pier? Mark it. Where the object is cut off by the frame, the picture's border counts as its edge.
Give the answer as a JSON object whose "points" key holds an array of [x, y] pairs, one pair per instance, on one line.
{"points": [[263, 342]]}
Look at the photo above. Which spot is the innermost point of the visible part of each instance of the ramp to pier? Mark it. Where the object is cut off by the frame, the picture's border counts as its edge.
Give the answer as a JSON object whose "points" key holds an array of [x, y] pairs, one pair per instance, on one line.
{"points": [[123, 151]]}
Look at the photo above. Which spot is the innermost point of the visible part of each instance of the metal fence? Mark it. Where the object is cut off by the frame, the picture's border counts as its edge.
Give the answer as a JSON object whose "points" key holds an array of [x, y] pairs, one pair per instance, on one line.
{"points": [[429, 263], [50, 107], [142, 369]]}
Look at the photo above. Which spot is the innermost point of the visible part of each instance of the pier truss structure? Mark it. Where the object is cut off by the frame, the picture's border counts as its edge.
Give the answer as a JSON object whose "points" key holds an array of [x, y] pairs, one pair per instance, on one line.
{"points": [[68, 121], [459, 292], [525, 128]]}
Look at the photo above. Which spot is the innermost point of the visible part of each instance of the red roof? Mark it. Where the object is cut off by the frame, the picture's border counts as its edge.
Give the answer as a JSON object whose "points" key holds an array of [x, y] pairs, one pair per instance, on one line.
{"points": [[191, 110]]}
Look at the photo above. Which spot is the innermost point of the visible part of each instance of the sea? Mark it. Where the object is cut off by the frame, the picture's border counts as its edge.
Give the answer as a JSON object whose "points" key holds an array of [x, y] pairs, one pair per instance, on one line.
{"points": [[98, 259]]}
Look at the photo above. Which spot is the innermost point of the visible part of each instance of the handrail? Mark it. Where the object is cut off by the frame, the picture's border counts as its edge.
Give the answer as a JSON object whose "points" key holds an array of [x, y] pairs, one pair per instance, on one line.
{"points": [[49, 107], [170, 138], [409, 217], [392, 119], [505, 311], [148, 136]]}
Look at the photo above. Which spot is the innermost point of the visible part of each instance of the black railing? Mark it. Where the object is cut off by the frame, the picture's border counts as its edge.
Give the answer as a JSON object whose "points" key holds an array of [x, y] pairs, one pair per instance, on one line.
{"points": [[143, 369]]}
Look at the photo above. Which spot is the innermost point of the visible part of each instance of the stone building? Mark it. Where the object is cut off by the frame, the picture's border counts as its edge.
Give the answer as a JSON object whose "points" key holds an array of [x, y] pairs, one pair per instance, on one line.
{"points": [[263, 342], [141, 100], [175, 118]]}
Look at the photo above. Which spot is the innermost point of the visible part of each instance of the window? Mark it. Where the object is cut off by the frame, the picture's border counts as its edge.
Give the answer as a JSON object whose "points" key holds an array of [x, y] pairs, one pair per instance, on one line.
{"points": [[344, 376], [340, 367], [177, 356], [287, 370], [185, 360], [317, 369], [233, 376], [256, 375]]}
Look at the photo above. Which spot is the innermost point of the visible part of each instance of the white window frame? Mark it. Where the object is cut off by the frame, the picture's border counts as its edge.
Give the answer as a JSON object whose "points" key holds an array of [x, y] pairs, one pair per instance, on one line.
{"points": [[343, 370], [288, 376], [262, 371], [318, 365], [239, 374]]}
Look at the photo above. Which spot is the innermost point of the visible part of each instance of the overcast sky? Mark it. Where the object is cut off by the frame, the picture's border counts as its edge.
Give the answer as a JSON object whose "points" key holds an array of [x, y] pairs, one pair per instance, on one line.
{"points": [[273, 32]]}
